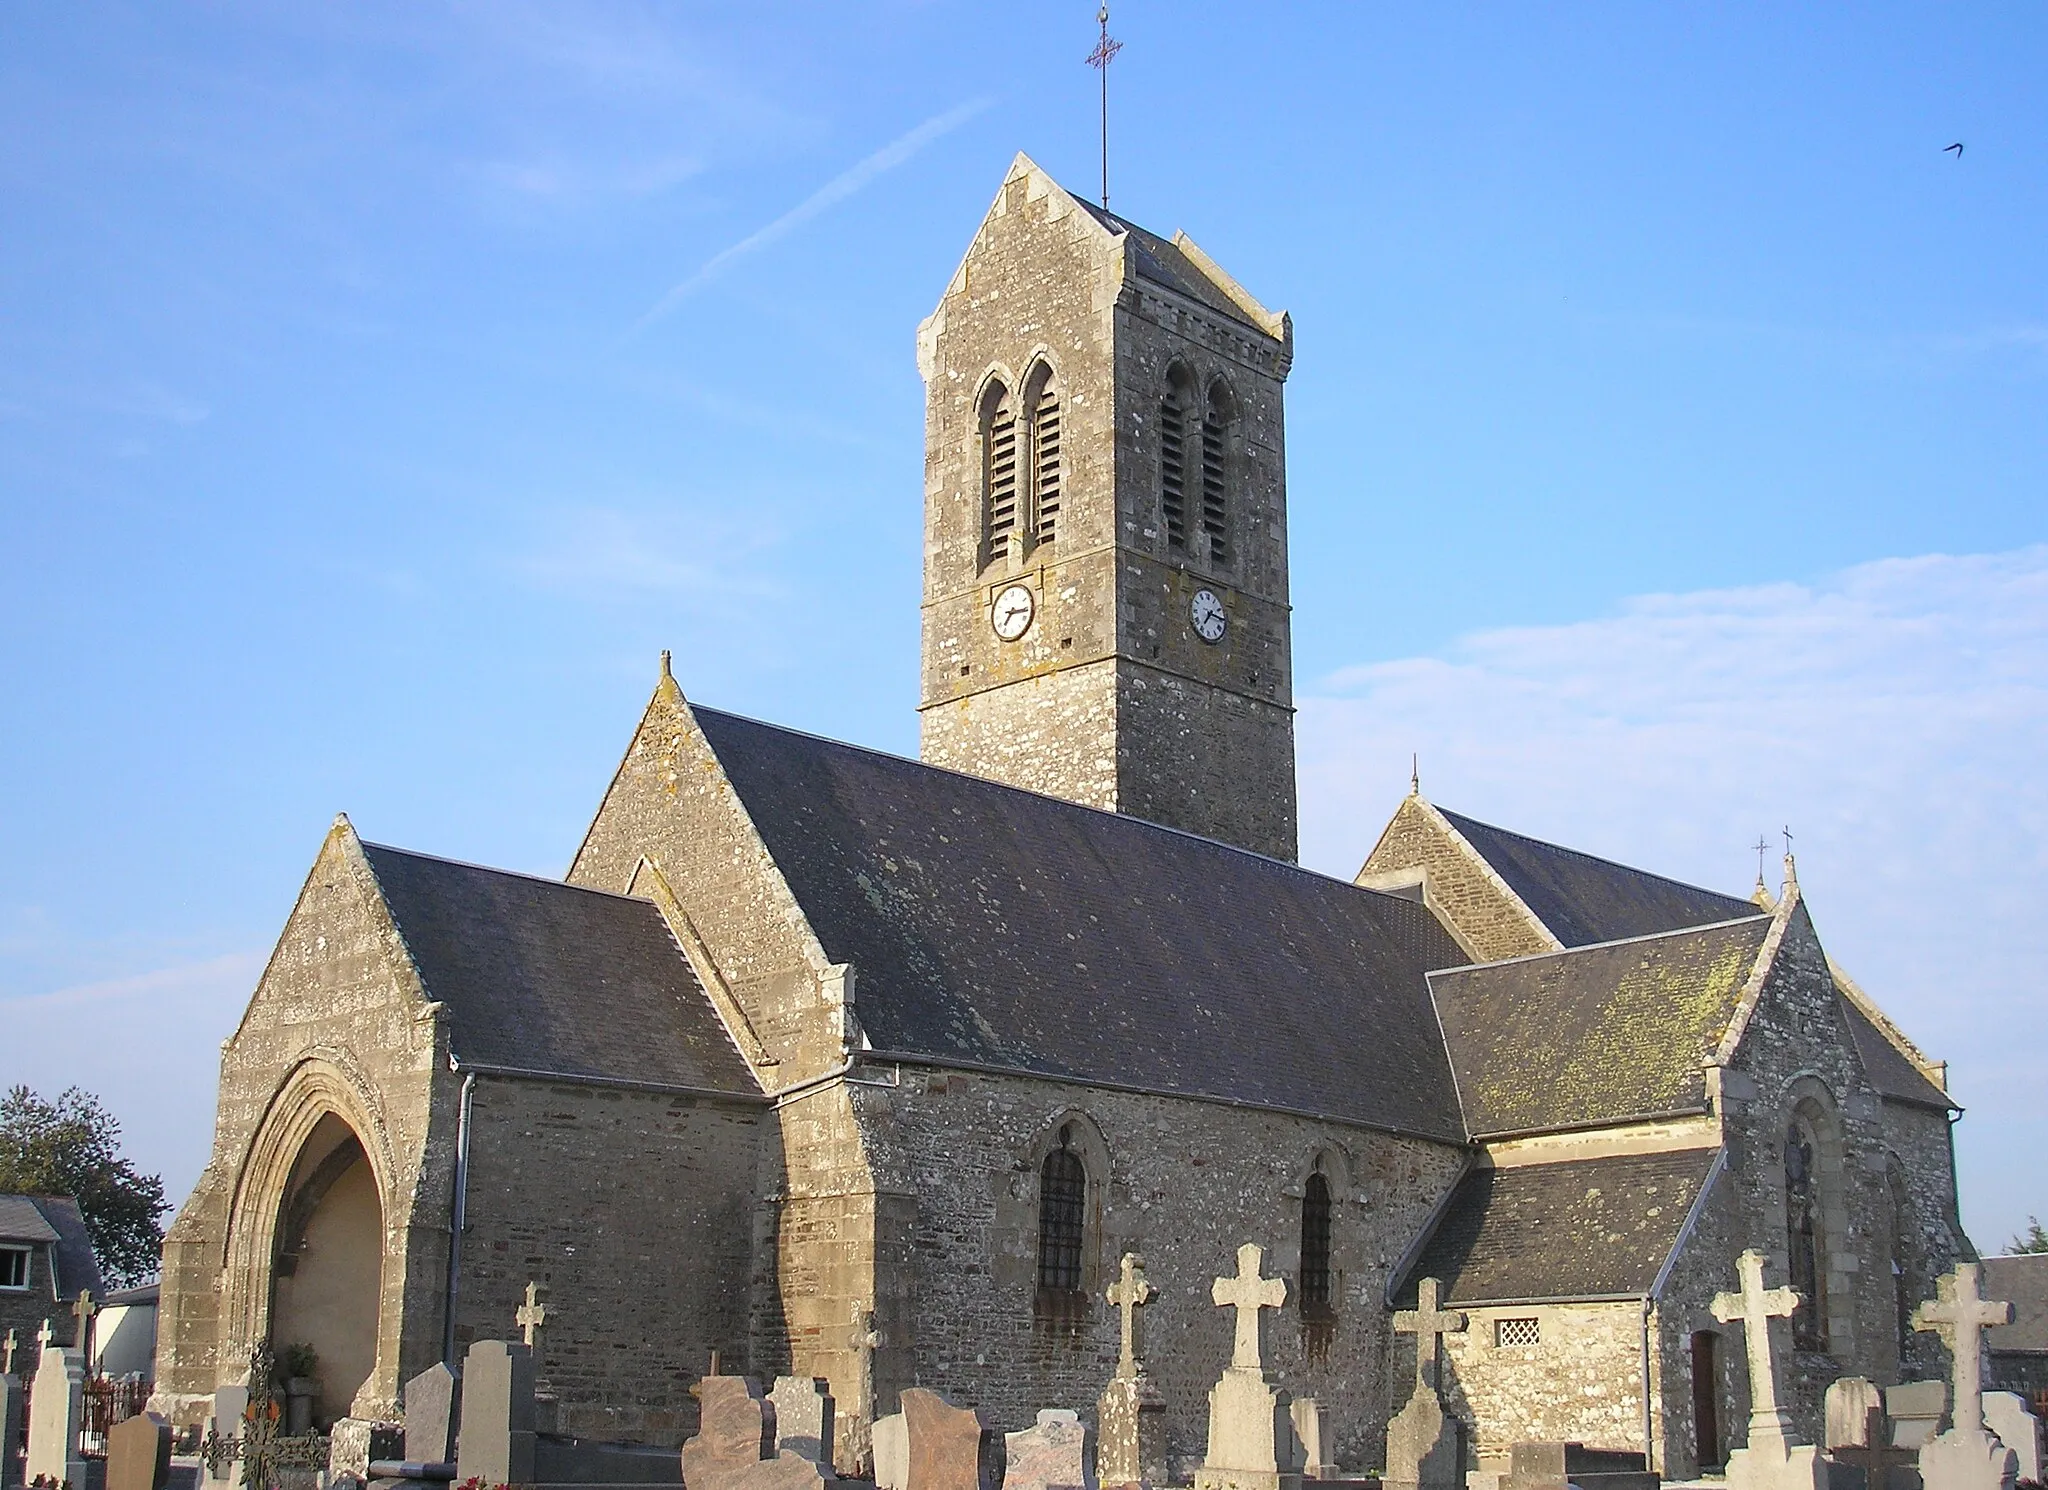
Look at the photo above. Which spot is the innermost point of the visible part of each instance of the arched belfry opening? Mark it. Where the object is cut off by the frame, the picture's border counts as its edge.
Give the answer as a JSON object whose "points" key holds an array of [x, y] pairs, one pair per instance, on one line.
{"points": [[328, 1260]]}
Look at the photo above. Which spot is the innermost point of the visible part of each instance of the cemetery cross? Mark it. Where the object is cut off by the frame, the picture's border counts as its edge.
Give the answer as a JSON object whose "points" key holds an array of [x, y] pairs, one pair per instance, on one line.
{"points": [[1756, 1306], [1129, 1293], [45, 1337], [1428, 1324], [7, 1350], [83, 1311], [531, 1315], [1248, 1293], [1966, 1312]]}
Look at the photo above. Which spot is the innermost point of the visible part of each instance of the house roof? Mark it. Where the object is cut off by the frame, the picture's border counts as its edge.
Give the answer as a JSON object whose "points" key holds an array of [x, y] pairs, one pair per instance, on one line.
{"points": [[996, 927], [1585, 1229], [1895, 1077], [541, 975], [1582, 900], [1594, 1034], [54, 1221], [2023, 1282]]}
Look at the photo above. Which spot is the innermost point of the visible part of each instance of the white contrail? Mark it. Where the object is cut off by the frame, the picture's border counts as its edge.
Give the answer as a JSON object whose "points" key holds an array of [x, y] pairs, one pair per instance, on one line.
{"points": [[838, 189]]}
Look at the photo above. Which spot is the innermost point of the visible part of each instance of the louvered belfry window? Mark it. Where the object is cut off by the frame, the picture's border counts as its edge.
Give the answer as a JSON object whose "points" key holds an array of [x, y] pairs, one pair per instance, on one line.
{"points": [[1046, 472], [999, 472], [1173, 471], [1215, 511]]}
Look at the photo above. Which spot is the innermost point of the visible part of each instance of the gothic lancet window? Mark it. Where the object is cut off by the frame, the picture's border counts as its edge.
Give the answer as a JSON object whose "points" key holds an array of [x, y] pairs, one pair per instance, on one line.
{"points": [[1062, 1230], [999, 471], [1318, 1300], [1046, 469], [1216, 422], [1173, 460], [1803, 1237]]}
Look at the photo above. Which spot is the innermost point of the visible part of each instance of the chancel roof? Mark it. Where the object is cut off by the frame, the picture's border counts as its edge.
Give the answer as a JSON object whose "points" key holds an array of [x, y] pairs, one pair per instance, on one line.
{"points": [[996, 927], [1584, 1229], [1582, 900], [543, 976], [1894, 1076], [1594, 1034]]}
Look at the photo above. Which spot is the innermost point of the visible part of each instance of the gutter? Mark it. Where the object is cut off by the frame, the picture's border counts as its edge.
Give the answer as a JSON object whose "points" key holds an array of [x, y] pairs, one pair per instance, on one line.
{"points": [[623, 1083]]}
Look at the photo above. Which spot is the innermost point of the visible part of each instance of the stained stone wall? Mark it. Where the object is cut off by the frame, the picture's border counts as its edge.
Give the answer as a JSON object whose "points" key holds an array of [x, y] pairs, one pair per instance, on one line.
{"points": [[1581, 1383], [1418, 848], [635, 1210], [1183, 1182], [337, 1024], [1186, 733]]}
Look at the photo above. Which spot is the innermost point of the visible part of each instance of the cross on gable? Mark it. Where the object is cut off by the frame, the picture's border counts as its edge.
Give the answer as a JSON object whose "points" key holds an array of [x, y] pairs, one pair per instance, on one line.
{"points": [[1130, 1293], [1248, 1293], [1755, 1307], [1428, 1324], [1967, 1314], [531, 1315]]}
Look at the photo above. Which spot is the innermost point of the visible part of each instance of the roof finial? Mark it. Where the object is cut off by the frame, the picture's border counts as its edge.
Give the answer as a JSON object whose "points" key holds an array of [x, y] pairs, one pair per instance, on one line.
{"points": [[1099, 59], [1415, 774], [1763, 846], [1791, 870], [664, 664]]}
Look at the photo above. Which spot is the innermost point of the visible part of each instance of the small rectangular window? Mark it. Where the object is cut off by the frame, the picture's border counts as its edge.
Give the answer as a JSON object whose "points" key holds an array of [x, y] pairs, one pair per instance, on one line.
{"points": [[14, 1267], [1517, 1332]]}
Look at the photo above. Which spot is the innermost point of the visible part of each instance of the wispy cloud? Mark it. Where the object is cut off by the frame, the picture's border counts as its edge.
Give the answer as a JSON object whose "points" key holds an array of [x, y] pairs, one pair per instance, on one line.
{"points": [[605, 553], [837, 190], [562, 177], [1894, 714]]}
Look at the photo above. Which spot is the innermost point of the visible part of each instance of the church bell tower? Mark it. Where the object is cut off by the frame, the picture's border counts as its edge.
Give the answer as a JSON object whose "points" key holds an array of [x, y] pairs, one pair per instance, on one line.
{"points": [[1105, 577]]}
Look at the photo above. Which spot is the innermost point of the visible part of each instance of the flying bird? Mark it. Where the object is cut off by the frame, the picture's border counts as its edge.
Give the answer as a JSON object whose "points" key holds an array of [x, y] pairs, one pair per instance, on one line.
{"points": [[1957, 147]]}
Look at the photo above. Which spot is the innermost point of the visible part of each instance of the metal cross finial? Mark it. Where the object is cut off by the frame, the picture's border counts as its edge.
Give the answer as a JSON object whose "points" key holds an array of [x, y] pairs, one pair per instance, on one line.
{"points": [[1787, 831], [1415, 774], [1099, 59], [531, 1315], [1763, 846]]}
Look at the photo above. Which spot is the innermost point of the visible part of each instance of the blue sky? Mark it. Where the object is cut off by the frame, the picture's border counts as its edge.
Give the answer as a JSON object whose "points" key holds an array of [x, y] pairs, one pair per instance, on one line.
{"points": [[381, 387]]}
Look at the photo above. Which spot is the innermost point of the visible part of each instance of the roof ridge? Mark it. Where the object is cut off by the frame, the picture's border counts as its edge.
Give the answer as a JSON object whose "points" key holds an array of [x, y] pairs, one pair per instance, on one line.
{"points": [[516, 874], [1488, 871], [1579, 853], [1620, 941], [1060, 802]]}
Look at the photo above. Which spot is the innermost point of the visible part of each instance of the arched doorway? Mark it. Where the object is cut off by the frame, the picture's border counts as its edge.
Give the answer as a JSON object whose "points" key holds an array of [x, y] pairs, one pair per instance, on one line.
{"points": [[328, 1265]]}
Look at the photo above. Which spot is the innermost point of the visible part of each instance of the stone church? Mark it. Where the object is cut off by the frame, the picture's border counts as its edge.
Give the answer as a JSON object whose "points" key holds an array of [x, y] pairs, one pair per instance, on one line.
{"points": [[871, 1069]]}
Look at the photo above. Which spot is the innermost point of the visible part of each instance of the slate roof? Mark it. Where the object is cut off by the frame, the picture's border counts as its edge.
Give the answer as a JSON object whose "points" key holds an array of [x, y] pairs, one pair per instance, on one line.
{"points": [[996, 927], [54, 1220], [1586, 1229], [1584, 900], [1596, 1034], [2022, 1282], [1159, 260], [541, 975], [1894, 1076]]}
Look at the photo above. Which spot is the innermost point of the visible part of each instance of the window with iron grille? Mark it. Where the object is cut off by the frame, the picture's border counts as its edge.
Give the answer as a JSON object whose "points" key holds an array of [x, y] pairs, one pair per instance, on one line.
{"points": [[1517, 1332], [1173, 471], [1045, 430], [1062, 1219], [1315, 1245], [14, 1268], [999, 471]]}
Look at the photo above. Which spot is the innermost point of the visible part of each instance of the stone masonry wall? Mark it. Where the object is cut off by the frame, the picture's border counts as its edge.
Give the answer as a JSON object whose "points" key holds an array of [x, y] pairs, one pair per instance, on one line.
{"points": [[1184, 1183], [1472, 903], [336, 1023], [1581, 1383], [635, 1211]]}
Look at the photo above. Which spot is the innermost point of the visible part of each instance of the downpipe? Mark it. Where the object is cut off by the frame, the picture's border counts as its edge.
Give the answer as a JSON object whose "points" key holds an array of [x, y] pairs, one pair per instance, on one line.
{"points": [[458, 1214]]}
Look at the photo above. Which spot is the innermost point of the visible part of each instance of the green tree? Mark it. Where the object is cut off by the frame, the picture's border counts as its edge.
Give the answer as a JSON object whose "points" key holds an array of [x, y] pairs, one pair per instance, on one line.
{"points": [[2036, 1240], [72, 1146]]}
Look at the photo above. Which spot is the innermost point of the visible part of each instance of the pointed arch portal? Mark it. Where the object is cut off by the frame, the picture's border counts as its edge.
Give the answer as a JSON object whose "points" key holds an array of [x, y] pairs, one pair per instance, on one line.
{"points": [[327, 1272]]}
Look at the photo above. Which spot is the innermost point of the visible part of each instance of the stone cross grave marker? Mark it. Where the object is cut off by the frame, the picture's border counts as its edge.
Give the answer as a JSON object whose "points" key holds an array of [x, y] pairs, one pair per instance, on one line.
{"points": [[7, 1350], [1967, 1456], [1251, 1437], [139, 1453], [1131, 1413], [1770, 1460], [45, 1338], [531, 1316], [54, 1417], [1129, 1294], [1425, 1448]]}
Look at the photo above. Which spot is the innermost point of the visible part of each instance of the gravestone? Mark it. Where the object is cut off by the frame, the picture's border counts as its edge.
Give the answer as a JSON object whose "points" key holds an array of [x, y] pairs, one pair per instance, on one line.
{"points": [[1916, 1409], [55, 1408], [1858, 1434], [803, 1419], [734, 1448], [10, 1414], [1251, 1437], [1131, 1413], [230, 1406], [1055, 1453], [1311, 1443], [430, 1415], [1425, 1447], [139, 1453], [950, 1447], [2006, 1414], [1968, 1456], [497, 1437], [1770, 1460], [891, 1440], [1536, 1466]]}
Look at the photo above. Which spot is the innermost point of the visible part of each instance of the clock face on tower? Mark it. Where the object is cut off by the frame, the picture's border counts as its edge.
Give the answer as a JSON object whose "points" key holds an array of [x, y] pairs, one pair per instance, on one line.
{"points": [[1205, 613], [1011, 614]]}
